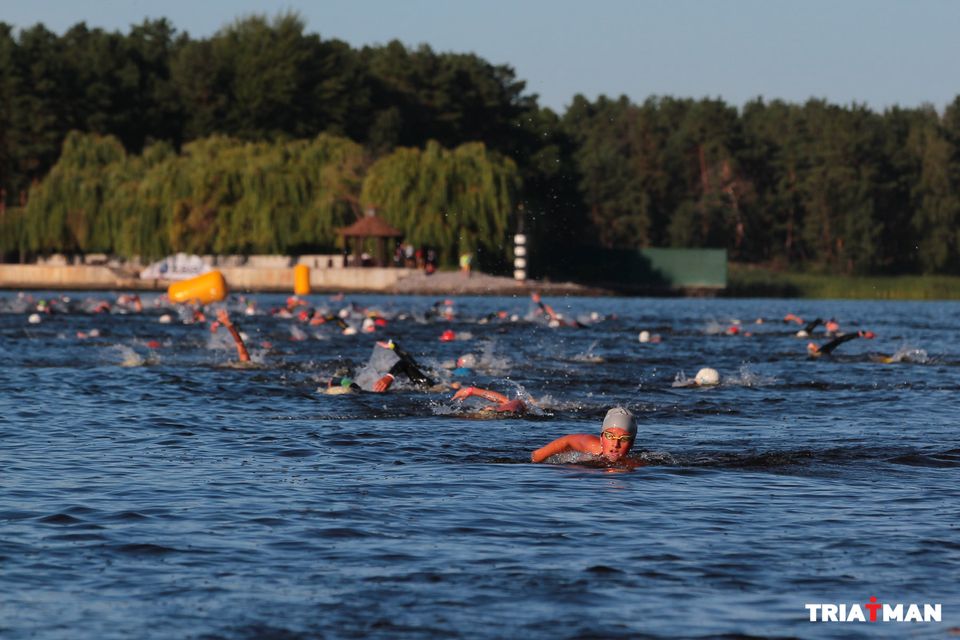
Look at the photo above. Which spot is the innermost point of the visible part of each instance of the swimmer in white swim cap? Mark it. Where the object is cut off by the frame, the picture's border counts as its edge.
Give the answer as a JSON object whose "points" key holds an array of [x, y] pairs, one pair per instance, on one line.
{"points": [[707, 377], [617, 435]]}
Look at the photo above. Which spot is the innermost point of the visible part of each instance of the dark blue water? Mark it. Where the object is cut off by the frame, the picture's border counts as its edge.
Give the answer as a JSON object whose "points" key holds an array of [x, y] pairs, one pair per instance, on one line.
{"points": [[156, 490]]}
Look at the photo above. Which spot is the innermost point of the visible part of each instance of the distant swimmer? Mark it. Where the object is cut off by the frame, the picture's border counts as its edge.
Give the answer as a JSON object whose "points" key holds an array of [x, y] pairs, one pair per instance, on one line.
{"points": [[706, 377], [809, 327], [555, 318], [502, 404], [815, 351], [617, 435], [905, 354], [386, 362], [224, 319], [341, 383]]}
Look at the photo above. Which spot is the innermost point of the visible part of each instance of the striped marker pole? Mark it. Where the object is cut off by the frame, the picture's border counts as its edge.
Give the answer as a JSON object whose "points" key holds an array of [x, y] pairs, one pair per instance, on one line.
{"points": [[520, 259]]}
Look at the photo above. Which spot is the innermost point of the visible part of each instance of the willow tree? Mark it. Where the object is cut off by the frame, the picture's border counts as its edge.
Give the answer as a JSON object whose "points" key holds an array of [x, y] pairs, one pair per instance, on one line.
{"points": [[66, 210], [223, 195], [456, 200]]}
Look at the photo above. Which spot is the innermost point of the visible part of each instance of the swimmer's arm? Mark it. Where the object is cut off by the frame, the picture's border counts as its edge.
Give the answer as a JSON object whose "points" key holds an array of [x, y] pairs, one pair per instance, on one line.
{"points": [[836, 342], [383, 383], [386, 381], [224, 319], [491, 396], [581, 442], [409, 368]]}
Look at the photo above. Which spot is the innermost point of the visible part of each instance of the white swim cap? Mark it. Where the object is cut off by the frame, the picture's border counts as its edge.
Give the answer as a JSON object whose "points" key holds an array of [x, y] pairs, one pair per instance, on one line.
{"points": [[644, 336], [165, 319], [620, 418], [34, 318], [467, 360], [707, 377]]}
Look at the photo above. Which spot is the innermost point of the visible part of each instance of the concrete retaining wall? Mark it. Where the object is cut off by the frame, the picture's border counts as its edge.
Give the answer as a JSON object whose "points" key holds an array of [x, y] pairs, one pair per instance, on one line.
{"points": [[30, 276]]}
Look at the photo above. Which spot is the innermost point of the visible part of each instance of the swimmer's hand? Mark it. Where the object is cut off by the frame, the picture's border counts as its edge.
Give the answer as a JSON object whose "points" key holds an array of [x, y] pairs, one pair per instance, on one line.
{"points": [[223, 317], [383, 383], [464, 393]]}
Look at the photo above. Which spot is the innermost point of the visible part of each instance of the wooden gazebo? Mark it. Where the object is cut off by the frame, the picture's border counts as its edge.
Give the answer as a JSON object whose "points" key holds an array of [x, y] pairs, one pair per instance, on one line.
{"points": [[369, 226]]}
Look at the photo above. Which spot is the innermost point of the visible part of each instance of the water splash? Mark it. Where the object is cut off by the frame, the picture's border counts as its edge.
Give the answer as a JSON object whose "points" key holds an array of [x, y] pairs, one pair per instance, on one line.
{"points": [[127, 356]]}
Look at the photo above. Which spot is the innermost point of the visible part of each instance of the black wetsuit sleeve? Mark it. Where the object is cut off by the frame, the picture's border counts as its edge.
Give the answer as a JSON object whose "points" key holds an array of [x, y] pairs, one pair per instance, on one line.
{"points": [[411, 370], [334, 318], [836, 342], [812, 325]]}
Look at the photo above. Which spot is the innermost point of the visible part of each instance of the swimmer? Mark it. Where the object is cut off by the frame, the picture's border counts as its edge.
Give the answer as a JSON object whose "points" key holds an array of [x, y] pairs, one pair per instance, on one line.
{"points": [[555, 318], [465, 365], [388, 355], [706, 377], [544, 308], [502, 403], [815, 351], [617, 435], [809, 327], [224, 319], [341, 383]]}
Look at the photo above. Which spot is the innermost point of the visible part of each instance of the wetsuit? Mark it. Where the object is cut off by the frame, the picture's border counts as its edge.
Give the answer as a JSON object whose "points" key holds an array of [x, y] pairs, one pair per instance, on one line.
{"points": [[409, 367], [836, 342], [395, 361], [808, 329]]}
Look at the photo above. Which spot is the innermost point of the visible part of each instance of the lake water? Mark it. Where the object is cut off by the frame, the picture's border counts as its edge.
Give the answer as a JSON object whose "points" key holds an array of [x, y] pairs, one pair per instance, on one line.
{"points": [[153, 489]]}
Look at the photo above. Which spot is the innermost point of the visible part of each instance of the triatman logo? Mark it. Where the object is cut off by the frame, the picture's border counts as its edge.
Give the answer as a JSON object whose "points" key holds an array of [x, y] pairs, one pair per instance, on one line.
{"points": [[875, 612]]}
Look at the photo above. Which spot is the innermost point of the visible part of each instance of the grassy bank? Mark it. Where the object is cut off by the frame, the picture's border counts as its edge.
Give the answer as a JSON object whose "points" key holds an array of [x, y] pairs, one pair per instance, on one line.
{"points": [[752, 281]]}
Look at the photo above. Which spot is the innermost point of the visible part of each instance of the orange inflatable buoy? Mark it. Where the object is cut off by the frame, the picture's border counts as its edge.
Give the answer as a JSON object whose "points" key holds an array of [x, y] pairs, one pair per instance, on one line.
{"points": [[301, 280], [204, 289]]}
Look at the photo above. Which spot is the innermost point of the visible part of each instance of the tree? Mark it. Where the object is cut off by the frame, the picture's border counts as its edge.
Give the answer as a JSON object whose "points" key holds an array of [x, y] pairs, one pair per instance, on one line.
{"points": [[456, 201]]}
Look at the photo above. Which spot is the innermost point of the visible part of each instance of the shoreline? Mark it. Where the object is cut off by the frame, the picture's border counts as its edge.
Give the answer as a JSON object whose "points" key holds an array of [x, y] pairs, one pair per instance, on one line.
{"points": [[280, 280]]}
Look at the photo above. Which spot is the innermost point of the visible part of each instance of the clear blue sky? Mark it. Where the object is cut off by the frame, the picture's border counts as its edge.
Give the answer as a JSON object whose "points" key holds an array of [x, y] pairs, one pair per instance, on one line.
{"points": [[877, 52]]}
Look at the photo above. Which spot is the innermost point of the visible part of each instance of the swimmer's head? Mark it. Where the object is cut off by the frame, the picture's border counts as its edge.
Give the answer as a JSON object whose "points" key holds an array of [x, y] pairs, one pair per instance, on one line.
{"points": [[467, 360], [644, 336], [620, 418], [707, 377], [617, 434]]}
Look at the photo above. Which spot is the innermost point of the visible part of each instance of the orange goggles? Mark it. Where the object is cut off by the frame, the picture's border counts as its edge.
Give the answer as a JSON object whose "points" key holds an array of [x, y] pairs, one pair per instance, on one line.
{"points": [[624, 438]]}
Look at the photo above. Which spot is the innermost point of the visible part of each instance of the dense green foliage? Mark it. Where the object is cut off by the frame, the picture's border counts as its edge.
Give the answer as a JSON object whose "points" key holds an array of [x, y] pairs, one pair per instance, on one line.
{"points": [[265, 138], [223, 195], [753, 281], [459, 201]]}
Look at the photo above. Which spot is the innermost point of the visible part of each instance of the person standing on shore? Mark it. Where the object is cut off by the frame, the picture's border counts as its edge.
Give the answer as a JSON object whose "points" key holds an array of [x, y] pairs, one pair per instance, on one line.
{"points": [[465, 259]]}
